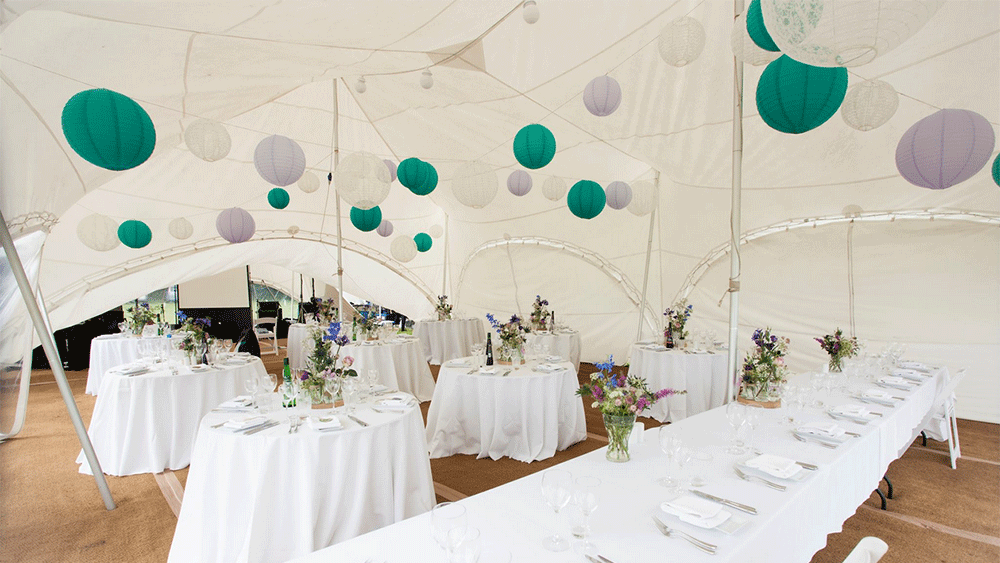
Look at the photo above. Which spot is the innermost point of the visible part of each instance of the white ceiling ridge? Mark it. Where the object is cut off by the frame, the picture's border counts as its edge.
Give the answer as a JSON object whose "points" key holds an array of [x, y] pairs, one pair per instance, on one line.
{"points": [[447, 105], [935, 55]]}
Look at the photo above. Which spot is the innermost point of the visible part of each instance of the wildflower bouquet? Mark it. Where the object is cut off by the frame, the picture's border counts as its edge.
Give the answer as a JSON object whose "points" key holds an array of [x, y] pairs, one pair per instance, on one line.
{"points": [[764, 367], [141, 316], [367, 320], [839, 348], [511, 336], [323, 362], [326, 310], [196, 337], [539, 318], [677, 317], [621, 394], [443, 308]]}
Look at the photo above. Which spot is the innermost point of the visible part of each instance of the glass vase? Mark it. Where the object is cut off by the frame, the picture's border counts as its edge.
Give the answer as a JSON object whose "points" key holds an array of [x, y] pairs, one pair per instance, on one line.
{"points": [[619, 427], [510, 354], [836, 364]]}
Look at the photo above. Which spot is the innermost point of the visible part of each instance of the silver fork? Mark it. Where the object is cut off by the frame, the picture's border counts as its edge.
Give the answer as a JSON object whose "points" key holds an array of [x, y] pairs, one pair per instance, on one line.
{"points": [[746, 477], [670, 532], [819, 442]]}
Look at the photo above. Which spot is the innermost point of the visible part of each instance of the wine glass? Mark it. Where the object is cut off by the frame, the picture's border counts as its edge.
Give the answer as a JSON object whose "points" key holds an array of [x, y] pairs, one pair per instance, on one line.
{"points": [[753, 416], [585, 497], [817, 386], [371, 379], [468, 549], [736, 414], [669, 445], [350, 388], [557, 486], [450, 524], [250, 386], [270, 382]]}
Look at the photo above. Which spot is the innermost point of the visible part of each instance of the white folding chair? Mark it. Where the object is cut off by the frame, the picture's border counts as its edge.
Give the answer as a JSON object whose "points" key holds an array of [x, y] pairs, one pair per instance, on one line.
{"points": [[943, 426], [264, 329], [868, 550]]}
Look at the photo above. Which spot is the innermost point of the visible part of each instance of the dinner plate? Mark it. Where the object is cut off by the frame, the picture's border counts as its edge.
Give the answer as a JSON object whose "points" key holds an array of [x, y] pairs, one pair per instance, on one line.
{"points": [[725, 521]]}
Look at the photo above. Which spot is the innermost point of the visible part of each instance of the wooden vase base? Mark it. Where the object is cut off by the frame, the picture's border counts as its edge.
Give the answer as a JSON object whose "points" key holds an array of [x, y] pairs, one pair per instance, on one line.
{"points": [[761, 404]]}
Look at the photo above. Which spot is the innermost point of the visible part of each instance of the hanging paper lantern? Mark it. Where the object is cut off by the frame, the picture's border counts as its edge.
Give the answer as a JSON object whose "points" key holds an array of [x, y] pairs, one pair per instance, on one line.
{"points": [[362, 180], [996, 170], [384, 228], [432, 179], [293, 230], [279, 160], [235, 225], [423, 242], [554, 188], [534, 146], [945, 148], [366, 219], [586, 199], [474, 184], [843, 33], [134, 234], [392, 169], [602, 96], [644, 198], [208, 140], [519, 182], [619, 195], [794, 98], [108, 129], [682, 41], [278, 198], [418, 176], [180, 228], [435, 231], [309, 182], [98, 232], [744, 49], [403, 248], [869, 105], [757, 31]]}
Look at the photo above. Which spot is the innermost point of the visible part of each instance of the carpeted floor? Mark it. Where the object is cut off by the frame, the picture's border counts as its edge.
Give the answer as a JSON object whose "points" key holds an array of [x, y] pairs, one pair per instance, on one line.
{"points": [[50, 512]]}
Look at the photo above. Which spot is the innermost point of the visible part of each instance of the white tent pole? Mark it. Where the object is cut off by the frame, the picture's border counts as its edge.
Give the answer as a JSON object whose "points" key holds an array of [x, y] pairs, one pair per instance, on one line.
{"points": [[49, 345], [649, 251], [444, 273], [340, 234], [734, 220]]}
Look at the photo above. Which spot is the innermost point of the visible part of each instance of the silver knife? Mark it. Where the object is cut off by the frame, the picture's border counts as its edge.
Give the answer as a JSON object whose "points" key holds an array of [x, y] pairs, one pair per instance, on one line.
{"points": [[505, 373], [264, 427], [358, 420], [808, 466], [727, 502]]}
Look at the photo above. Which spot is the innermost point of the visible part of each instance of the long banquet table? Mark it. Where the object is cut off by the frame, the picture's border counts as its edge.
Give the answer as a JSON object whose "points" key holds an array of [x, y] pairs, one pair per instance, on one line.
{"points": [[702, 375], [791, 526]]}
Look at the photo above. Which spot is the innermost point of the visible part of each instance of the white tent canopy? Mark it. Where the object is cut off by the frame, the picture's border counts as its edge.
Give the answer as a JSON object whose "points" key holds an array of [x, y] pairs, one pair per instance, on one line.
{"points": [[918, 266]]}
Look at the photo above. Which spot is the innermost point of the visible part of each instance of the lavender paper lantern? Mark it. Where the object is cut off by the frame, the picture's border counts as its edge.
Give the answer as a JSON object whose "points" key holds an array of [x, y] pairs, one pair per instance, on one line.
{"points": [[235, 225], [619, 195], [385, 228], [392, 168], [279, 160], [602, 96], [945, 148], [519, 183]]}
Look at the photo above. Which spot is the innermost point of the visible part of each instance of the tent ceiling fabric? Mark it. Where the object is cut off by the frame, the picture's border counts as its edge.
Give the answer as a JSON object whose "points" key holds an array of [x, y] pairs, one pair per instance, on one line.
{"points": [[262, 68]]}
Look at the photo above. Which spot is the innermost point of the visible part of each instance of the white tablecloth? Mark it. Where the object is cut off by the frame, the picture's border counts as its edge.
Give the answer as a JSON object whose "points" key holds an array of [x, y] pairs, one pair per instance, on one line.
{"points": [[147, 423], [526, 415], [400, 363], [565, 344], [110, 350], [298, 338], [791, 526], [273, 495], [702, 375], [447, 340]]}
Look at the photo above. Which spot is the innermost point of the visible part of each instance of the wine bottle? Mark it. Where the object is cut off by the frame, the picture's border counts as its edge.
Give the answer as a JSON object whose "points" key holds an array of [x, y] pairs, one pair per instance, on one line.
{"points": [[669, 341], [552, 321], [489, 350], [287, 400]]}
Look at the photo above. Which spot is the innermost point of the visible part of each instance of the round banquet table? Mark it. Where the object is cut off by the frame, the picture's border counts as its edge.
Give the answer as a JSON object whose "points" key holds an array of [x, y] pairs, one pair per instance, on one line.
{"points": [[702, 374], [110, 350], [272, 496], [298, 338], [564, 343], [400, 363], [147, 423], [447, 340], [526, 415]]}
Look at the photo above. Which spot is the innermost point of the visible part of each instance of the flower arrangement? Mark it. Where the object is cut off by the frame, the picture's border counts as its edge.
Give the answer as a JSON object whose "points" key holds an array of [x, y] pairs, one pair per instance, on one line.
{"points": [[326, 310], [443, 308], [539, 318], [677, 317], [838, 347], [323, 362], [620, 394], [367, 320], [196, 337], [142, 316], [511, 336], [764, 367]]}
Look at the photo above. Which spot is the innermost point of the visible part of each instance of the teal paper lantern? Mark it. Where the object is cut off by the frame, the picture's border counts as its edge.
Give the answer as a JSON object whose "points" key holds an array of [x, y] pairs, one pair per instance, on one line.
{"points": [[996, 170], [423, 242], [134, 234], [418, 176], [586, 199], [278, 198], [430, 182], [108, 129], [534, 146], [794, 98], [366, 219], [756, 29]]}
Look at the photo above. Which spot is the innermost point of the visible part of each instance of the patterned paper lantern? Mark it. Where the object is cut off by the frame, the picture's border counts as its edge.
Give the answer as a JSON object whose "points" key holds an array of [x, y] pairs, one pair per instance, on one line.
{"points": [[619, 195], [108, 129], [757, 31], [945, 148], [586, 199], [208, 140], [435, 231], [392, 168], [418, 176], [682, 41], [744, 49], [235, 225], [996, 170], [98, 232], [134, 234], [554, 188], [279, 160], [403, 248], [794, 98], [362, 180], [278, 198], [366, 219], [384, 228], [423, 242], [644, 198], [519, 183], [534, 146], [180, 228], [602, 96], [309, 182], [869, 105], [474, 184]]}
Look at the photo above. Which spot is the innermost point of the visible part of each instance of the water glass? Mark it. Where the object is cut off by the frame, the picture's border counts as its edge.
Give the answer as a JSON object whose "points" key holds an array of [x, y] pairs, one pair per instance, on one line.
{"points": [[669, 445], [818, 382], [736, 415], [557, 487], [449, 525], [468, 550], [585, 497]]}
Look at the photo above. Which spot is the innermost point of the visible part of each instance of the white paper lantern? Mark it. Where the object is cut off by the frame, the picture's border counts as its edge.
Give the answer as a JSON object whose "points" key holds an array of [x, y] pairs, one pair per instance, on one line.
{"points": [[744, 49], [309, 182], [208, 140], [384, 228], [293, 230], [392, 168], [426, 79], [360, 86], [682, 41], [235, 225], [843, 33], [869, 105], [602, 96], [435, 231], [644, 198], [180, 228], [519, 183], [403, 248], [619, 195], [530, 11], [279, 160], [362, 179], [554, 188], [474, 184], [99, 232]]}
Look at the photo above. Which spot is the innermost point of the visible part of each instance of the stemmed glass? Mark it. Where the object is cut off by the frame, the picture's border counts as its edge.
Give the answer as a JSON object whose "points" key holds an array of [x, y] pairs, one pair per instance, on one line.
{"points": [[350, 388], [557, 486], [669, 445], [371, 379], [477, 350], [817, 386], [468, 550], [736, 414], [450, 525], [585, 497], [250, 385], [753, 416]]}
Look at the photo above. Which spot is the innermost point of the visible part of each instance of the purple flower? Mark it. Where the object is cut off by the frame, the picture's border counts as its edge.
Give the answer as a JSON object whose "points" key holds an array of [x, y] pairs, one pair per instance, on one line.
{"points": [[342, 340], [304, 376]]}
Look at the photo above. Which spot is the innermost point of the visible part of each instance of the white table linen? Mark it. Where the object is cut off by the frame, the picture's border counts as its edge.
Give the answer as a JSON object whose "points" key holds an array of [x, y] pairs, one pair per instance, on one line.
{"points": [[400, 363], [147, 423], [298, 339], [702, 375], [526, 415], [447, 340], [272, 496], [110, 350], [565, 344]]}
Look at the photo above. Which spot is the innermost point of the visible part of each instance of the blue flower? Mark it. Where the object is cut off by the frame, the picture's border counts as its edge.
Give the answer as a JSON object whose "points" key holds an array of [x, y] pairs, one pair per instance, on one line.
{"points": [[181, 316], [332, 331]]}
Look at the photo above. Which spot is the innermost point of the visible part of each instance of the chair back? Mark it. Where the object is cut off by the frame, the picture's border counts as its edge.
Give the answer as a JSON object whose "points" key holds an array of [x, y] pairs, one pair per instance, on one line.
{"points": [[868, 550]]}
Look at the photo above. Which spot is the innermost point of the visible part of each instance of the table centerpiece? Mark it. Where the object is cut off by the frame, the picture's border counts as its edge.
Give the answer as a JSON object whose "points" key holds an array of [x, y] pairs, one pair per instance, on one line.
{"points": [[326, 369], [142, 316], [677, 317], [367, 322], [443, 308], [539, 318], [511, 334], [326, 310], [839, 348], [764, 370], [196, 337]]}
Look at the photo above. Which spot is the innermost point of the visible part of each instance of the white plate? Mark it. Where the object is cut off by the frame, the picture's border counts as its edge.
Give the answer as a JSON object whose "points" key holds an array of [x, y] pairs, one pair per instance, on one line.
{"points": [[799, 475], [729, 524]]}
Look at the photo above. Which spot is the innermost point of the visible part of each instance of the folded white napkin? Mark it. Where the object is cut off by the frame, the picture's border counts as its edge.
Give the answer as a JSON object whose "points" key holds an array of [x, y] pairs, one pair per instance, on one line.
{"points": [[914, 365], [245, 422], [199, 368], [459, 364], [696, 511], [657, 347], [324, 422], [890, 380], [851, 409], [236, 361], [132, 369], [488, 370], [823, 429], [548, 368], [910, 374], [778, 466], [378, 388], [553, 358], [877, 394], [236, 403]]}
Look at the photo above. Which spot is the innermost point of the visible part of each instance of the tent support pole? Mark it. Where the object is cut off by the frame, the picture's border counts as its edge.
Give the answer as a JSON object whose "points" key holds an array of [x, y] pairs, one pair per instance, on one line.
{"points": [[49, 345], [735, 228], [340, 234], [649, 252], [444, 273]]}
